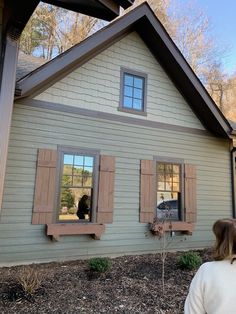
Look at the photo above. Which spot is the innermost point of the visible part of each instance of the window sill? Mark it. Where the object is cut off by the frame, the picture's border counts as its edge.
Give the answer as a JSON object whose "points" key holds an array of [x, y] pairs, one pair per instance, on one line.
{"points": [[158, 228], [133, 111], [93, 229]]}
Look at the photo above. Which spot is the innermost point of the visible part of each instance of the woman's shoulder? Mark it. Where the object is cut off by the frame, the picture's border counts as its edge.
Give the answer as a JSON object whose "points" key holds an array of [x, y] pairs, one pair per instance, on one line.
{"points": [[215, 265]]}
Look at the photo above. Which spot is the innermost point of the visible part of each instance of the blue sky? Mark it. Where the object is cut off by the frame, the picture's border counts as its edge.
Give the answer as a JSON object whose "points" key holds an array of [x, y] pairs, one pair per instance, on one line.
{"points": [[222, 15]]}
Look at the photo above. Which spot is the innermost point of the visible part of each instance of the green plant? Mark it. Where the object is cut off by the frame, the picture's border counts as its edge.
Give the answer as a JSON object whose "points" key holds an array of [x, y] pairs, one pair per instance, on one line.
{"points": [[72, 211], [100, 264], [30, 279], [67, 198], [189, 260]]}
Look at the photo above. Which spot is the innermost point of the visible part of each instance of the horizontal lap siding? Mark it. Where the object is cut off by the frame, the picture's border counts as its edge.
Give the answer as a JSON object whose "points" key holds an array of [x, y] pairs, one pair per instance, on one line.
{"points": [[33, 128], [99, 79]]}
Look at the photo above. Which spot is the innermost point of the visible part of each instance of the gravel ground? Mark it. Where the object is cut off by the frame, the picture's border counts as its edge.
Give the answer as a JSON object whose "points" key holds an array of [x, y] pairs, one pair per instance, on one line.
{"points": [[132, 285]]}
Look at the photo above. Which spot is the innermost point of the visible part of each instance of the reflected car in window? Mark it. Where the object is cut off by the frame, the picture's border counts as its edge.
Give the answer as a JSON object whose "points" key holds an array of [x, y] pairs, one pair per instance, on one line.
{"points": [[168, 210]]}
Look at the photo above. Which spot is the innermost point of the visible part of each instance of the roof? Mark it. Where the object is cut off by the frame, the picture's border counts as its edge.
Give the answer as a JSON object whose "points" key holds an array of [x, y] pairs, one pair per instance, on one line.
{"points": [[142, 20], [26, 64], [17, 13]]}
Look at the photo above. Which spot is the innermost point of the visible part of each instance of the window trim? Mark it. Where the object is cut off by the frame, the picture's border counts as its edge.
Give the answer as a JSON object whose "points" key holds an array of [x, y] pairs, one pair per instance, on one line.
{"points": [[180, 162], [76, 150], [130, 110]]}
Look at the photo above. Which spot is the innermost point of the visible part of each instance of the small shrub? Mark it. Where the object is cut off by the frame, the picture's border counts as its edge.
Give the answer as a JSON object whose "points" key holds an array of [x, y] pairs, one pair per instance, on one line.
{"points": [[189, 260], [72, 211], [30, 279], [100, 264]]}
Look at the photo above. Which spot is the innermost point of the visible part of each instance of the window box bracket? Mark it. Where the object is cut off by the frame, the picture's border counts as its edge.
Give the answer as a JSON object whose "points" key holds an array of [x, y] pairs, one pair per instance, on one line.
{"points": [[93, 229]]}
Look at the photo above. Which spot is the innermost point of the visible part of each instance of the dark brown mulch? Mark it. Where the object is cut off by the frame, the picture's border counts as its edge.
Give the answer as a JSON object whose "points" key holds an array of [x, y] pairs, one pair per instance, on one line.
{"points": [[132, 285]]}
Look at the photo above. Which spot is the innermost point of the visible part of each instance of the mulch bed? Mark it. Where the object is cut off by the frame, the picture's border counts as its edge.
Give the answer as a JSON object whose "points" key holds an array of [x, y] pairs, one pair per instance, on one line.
{"points": [[132, 285]]}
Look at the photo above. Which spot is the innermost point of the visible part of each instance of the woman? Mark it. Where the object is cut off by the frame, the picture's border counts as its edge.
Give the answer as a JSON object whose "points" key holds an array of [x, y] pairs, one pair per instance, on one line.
{"points": [[83, 207], [213, 288]]}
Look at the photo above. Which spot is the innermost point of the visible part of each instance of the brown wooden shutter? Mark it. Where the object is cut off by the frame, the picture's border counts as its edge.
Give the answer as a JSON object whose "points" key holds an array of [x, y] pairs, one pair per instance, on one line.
{"points": [[147, 193], [45, 186], [190, 197], [106, 189]]}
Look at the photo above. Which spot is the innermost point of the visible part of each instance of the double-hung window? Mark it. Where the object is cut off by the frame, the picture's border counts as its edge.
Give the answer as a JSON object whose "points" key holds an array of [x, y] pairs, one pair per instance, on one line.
{"points": [[168, 193], [77, 181]]}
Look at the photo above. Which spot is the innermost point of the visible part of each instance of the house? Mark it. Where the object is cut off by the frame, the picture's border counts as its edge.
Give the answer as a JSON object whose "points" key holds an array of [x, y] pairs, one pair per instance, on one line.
{"points": [[122, 119]]}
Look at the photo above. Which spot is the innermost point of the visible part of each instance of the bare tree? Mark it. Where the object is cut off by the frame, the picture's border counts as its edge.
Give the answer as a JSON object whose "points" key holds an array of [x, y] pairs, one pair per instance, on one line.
{"points": [[190, 29], [230, 98], [52, 30]]}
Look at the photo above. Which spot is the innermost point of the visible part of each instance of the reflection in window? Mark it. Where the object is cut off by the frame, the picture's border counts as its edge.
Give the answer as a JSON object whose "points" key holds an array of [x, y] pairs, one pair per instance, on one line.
{"points": [[168, 191], [133, 92], [76, 187]]}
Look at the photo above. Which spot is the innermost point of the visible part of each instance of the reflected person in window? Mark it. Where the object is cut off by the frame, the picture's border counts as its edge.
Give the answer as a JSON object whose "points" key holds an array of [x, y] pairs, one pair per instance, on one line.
{"points": [[83, 207], [213, 288]]}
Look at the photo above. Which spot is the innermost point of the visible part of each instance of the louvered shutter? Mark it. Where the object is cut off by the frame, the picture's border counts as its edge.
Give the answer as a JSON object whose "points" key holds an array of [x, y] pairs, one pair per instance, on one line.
{"points": [[45, 187], [190, 197], [106, 189], [147, 191]]}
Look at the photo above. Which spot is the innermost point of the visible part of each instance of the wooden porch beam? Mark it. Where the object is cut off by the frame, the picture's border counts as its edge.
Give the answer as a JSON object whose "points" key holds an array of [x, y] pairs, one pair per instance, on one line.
{"points": [[6, 103]]}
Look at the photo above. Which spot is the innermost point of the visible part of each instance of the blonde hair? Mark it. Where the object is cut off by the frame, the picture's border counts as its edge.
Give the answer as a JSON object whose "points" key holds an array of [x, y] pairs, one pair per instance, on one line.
{"points": [[225, 232]]}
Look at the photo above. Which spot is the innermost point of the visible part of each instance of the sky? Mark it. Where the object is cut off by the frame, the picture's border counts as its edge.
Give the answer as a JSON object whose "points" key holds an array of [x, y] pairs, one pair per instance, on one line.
{"points": [[222, 15]]}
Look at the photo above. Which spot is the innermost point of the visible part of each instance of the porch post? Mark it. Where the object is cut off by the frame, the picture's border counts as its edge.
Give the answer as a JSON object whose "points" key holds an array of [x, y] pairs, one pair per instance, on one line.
{"points": [[9, 60]]}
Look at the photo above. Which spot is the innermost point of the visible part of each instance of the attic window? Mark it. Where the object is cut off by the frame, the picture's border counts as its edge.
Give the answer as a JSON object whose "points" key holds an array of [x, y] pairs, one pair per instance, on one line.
{"points": [[133, 91]]}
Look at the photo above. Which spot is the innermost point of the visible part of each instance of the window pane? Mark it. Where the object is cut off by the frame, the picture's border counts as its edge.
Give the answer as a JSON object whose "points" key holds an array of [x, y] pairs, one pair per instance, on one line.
{"points": [[138, 82], [87, 181], [176, 168], [88, 171], [66, 180], [138, 93], [79, 160], [67, 169], [161, 186], [168, 186], [128, 91], [168, 168], [176, 178], [68, 159], [160, 167], [129, 80], [176, 186], [160, 177], [70, 199], [88, 161], [77, 181], [137, 104], [77, 170], [127, 102]]}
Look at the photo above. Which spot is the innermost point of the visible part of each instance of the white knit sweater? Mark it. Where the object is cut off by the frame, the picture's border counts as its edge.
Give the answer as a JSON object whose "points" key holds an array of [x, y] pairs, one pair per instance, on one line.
{"points": [[213, 289]]}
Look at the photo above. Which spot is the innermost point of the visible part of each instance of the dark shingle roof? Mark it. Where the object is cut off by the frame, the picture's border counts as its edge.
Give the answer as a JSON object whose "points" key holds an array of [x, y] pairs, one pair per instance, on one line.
{"points": [[27, 64]]}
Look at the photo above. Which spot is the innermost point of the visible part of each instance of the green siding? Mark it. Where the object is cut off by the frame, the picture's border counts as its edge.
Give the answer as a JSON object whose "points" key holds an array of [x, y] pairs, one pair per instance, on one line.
{"points": [[34, 128], [99, 79], [96, 86]]}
